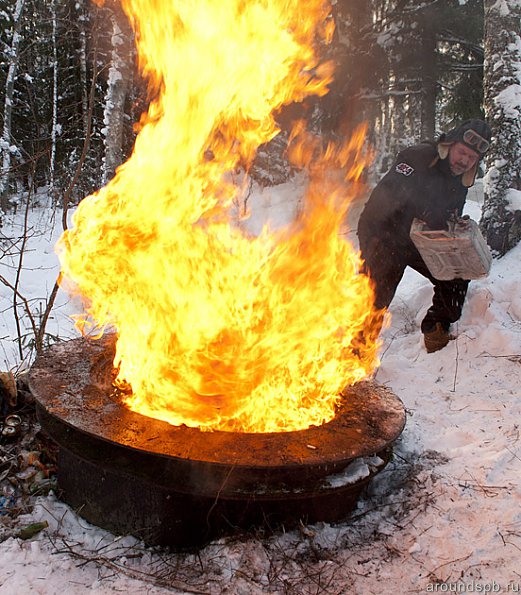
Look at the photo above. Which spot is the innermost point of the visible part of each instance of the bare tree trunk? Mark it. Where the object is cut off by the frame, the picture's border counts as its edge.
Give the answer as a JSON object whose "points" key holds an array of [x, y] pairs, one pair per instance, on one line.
{"points": [[54, 124], [117, 90], [429, 77], [382, 139], [501, 217], [399, 121], [83, 74], [5, 141]]}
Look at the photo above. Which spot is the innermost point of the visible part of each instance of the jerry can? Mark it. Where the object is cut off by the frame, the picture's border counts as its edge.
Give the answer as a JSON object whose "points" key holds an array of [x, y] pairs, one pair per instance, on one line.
{"points": [[459, 252]]}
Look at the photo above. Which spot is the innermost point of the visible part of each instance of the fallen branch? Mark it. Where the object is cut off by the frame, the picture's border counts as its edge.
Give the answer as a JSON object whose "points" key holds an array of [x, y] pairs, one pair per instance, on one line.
{"points": [[91, 557], [27, 307], [20, 266]]}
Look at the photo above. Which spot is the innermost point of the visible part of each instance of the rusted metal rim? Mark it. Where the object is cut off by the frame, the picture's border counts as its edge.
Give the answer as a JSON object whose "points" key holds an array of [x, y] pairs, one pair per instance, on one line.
{"points": [[71, 383], [181, 487]]}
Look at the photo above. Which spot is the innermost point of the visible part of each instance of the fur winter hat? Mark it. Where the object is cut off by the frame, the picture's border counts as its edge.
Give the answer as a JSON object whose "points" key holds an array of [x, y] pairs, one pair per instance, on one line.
{"points": [[474, 134]]}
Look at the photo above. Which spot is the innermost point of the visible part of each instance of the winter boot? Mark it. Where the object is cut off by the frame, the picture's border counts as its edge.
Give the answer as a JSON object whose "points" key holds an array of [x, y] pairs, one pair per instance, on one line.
{"points": [[437, 338]]}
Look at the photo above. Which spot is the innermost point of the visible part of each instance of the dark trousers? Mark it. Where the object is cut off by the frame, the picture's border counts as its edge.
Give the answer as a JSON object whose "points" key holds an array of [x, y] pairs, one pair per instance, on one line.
{"points": [[385, 265]]}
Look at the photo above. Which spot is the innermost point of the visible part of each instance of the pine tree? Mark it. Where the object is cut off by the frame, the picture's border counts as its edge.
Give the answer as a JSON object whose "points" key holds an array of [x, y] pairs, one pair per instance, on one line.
{"points": [[460, 62], [409, 68], [501, 217]]}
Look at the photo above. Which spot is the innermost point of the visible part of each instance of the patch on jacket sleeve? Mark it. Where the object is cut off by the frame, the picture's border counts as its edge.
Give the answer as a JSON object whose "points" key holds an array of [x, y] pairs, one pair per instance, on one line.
{"points": [[404, 168]]}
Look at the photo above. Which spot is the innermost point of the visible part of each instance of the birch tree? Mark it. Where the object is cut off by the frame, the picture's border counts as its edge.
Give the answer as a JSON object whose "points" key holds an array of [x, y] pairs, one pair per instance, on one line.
{"points": [[83, 41], [6, 146], [54, 120], [119, 78], [501, 217]]}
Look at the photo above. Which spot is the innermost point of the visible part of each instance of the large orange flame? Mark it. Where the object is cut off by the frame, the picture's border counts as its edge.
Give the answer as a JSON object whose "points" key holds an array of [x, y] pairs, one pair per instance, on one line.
{"points": [[215, 328]]}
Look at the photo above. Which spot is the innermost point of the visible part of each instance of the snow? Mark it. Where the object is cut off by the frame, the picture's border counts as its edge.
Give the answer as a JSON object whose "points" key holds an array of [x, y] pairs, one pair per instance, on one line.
{"points": [[355, 471], [513, 199], [510, 101], [502, 6], [444, 515]]}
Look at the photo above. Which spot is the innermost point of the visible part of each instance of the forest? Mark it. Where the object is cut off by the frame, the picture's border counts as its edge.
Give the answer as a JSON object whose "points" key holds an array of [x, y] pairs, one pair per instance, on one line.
{"points": [[72, 94], [72, 102]]}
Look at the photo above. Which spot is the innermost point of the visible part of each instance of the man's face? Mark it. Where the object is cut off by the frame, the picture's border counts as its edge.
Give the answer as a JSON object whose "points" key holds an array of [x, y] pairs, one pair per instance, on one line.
{"points": [[461, 158]]}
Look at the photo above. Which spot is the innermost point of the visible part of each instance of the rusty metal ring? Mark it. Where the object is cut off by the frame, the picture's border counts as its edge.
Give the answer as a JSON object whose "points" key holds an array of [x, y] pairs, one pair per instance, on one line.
{"points": [[13, 421], [10, 431]]}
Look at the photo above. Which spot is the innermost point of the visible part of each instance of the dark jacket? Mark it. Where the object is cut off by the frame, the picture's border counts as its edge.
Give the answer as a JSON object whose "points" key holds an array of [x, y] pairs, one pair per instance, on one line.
{"points": [[419, 184]]}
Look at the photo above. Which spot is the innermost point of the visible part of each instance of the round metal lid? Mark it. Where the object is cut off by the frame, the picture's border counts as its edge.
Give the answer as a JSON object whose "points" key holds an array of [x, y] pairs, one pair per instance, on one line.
{"points": [[72, 380]]}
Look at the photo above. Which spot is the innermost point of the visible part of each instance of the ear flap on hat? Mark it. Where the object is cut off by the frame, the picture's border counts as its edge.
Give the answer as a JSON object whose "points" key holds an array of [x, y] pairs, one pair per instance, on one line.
{"points": [[443, 149], [469, 176]]}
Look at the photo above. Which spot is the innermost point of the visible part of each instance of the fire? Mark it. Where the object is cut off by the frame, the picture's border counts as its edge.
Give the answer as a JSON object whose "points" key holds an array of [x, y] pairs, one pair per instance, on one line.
{"points": [[215, 328]]}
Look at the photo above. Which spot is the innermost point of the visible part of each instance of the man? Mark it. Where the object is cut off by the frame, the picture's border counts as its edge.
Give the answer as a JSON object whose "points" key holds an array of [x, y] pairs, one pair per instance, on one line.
{"points": [[428, 181]]}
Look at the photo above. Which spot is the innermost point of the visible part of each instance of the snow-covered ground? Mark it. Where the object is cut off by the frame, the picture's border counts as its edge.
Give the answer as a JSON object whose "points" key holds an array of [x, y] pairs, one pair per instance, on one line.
{"points": [[444, 516]]}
